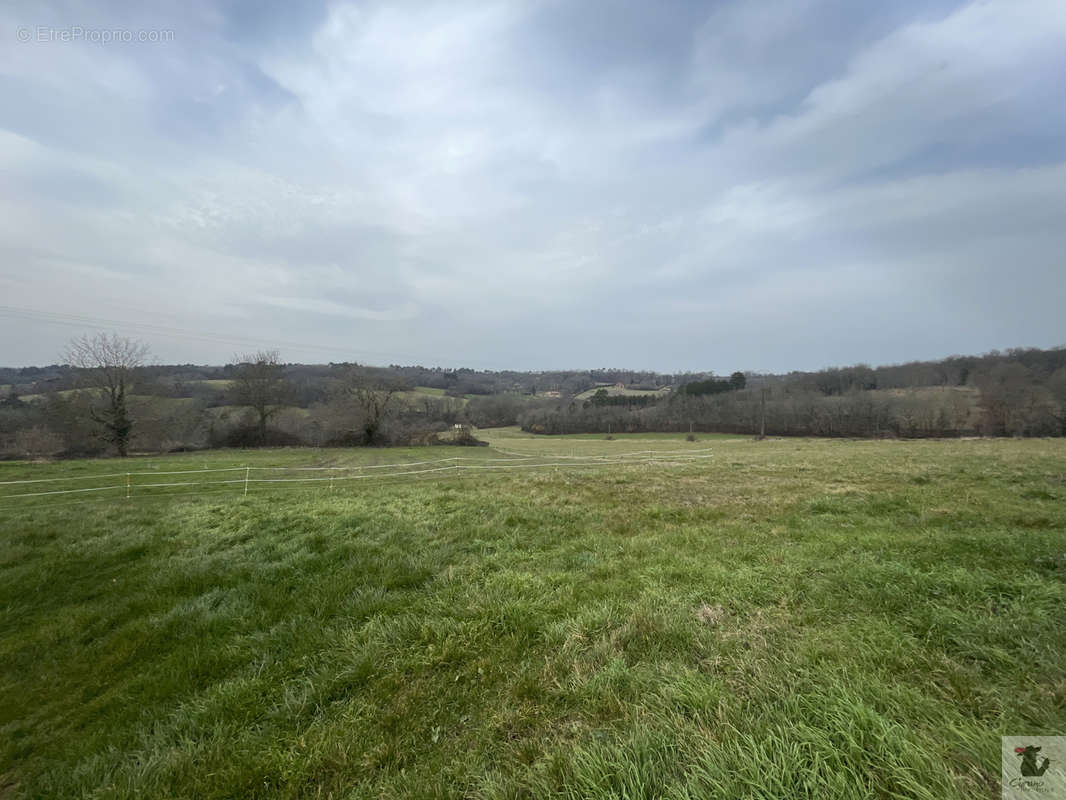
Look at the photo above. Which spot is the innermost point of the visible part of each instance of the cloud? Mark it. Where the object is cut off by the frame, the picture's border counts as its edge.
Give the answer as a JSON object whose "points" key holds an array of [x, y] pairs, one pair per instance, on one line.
{"points": [[767, 185]]}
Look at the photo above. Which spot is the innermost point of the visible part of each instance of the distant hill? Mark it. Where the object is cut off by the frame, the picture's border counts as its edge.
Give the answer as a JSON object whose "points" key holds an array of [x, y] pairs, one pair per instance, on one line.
{"points": [[1017, 392]]}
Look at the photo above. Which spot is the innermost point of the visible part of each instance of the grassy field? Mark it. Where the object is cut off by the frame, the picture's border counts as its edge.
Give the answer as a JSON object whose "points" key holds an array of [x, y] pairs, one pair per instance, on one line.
{"points": [[215, 383], [786, 618], [534, 441], [614, 391], [415, 394]]}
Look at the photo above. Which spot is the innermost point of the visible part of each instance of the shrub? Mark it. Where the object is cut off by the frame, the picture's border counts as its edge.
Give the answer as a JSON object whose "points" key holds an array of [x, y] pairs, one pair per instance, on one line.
{"points": [[37, 442], [245, 436]]}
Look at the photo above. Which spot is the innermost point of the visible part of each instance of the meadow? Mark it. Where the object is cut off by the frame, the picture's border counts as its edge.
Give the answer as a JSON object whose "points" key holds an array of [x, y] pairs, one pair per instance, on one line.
{"points": [[643, 617]]}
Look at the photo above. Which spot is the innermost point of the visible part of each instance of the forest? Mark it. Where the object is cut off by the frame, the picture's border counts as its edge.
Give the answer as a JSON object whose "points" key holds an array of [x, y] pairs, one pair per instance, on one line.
{"points": [[85, 407]]}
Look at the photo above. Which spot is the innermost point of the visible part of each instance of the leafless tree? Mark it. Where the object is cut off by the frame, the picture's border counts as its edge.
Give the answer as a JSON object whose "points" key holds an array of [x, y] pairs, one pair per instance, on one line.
{"points": [[1057, 388], [375, 397], [37, 441], [259, 382], [108, 364]]}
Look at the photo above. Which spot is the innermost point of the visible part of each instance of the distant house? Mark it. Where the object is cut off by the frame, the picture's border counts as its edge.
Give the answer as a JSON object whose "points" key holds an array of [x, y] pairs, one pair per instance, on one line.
{"points": [[553, 393], [619, 385]]}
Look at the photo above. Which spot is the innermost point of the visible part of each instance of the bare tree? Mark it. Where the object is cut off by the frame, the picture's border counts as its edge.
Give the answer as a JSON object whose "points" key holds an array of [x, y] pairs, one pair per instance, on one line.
{"points": [[259, 382], [108, 364], [1057, 387], [375, 397]]}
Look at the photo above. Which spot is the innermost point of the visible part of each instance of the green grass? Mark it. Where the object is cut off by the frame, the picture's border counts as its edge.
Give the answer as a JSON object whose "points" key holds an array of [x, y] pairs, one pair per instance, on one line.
{"points": [[216, 383], [614, 391], [235, 411], [139, 399], [27, 398], [787, 618], [414, 398], [563, 444]]}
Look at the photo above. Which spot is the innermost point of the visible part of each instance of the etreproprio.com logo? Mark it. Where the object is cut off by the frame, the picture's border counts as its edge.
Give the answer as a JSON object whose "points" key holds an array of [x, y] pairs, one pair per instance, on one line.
{"points": [[77, 33]]}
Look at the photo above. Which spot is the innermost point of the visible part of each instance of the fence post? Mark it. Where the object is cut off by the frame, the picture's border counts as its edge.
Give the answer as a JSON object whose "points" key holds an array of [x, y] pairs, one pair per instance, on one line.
{"points": [[127, 486], [246, 471]]}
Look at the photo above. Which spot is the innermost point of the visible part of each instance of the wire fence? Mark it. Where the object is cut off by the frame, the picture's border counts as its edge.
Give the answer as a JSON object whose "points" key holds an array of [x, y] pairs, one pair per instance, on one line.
{"points": [[27, 493]]}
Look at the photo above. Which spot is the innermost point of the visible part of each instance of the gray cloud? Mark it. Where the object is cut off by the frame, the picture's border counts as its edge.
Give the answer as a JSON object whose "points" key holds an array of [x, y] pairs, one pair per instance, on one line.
{"points": [[765, 185]]}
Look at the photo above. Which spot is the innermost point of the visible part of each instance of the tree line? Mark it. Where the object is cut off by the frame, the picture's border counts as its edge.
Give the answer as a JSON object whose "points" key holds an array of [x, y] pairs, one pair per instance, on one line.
{"points": [[108, 397], [734, 383], [1001, 398]]}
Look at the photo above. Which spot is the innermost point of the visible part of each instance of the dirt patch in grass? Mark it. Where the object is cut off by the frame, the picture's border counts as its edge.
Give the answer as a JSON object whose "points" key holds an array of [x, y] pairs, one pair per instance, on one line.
{"points": [[711, 615]]}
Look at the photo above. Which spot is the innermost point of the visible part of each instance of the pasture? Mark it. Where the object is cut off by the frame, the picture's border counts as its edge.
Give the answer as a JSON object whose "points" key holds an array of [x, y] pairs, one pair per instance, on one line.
{"points": [[614, 391], [561, 617]]}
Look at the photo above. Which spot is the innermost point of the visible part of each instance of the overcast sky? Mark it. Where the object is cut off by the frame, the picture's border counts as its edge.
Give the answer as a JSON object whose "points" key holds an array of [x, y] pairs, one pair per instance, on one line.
{"points": [[671, 185]]}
